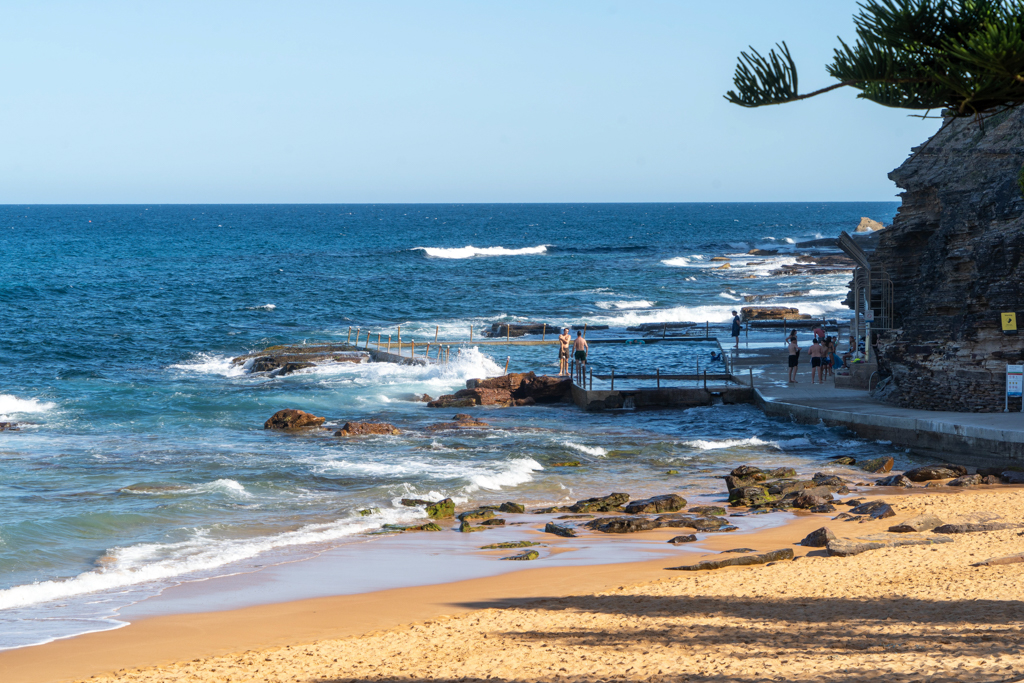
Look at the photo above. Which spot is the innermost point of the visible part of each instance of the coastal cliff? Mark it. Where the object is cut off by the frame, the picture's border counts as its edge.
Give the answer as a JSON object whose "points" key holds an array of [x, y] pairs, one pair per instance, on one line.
{"points": [[954, 253]]}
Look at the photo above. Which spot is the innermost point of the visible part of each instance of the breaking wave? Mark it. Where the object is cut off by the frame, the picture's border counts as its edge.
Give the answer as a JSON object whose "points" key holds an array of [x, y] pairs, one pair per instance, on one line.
{"points": [[471, 251]]}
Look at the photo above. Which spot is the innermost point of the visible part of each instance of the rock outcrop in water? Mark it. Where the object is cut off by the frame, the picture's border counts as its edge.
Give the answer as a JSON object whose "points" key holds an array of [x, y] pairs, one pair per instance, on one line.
{"points": [[292, 419], [517, 388], [955, 254]]}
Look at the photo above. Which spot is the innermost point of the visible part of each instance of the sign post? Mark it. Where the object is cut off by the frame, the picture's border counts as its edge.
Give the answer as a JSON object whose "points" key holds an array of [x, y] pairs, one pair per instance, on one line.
{"points": [[1009, 322], [1014, 385]]}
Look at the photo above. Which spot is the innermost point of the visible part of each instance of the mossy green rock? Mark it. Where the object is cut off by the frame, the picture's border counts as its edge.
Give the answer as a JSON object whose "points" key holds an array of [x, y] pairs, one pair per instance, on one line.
{"points": [[877, 465], [672, 472], [481, 513], [528, 555], [369, 511], [570, 463], [442, 509], [466, 527], [509, 544], [497, 521], [708, 511], [512, 508]]}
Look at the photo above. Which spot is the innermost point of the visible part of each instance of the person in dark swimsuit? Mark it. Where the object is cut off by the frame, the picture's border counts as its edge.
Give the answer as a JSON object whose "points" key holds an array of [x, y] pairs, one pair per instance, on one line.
{"points": [[794, 357], [736, 327]]}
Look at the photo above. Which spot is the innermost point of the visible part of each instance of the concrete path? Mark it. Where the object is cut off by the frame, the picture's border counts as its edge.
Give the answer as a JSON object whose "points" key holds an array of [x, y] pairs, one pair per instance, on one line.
{"points": [[981, 439]]}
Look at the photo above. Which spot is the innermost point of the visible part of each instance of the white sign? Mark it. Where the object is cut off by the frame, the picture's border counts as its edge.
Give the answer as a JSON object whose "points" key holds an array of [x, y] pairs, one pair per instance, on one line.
{"points": [[1015, 380], [869, 315]]}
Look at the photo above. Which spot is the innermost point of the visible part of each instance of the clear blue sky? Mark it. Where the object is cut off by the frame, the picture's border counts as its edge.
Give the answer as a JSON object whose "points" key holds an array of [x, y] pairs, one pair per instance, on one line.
{"points": [[442, 101]]}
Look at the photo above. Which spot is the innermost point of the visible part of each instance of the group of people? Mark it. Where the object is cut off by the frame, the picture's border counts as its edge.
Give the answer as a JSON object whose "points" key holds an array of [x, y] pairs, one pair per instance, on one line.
{"points": [[580, 350], [822, 352]]}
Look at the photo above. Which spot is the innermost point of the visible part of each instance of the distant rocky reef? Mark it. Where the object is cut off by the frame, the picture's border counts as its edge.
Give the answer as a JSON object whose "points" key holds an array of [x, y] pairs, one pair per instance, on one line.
{"points": [[955, 253]]}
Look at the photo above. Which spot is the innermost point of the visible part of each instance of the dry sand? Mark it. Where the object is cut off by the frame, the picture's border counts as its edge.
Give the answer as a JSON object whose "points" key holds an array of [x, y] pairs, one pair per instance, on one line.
{"points": [[899, 614]]}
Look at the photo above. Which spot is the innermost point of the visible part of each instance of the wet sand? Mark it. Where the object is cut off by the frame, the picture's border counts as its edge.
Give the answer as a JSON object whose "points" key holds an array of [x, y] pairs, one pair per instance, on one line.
{"points": [[898, 614]]}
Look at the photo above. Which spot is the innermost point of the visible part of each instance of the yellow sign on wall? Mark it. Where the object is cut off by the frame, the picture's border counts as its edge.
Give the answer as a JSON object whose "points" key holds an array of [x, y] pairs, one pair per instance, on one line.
{"points": [[1009, 322]]}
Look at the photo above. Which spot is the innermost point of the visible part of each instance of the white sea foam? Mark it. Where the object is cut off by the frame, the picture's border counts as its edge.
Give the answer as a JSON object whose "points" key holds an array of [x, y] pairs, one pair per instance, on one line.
{"points": [[716, 444], [153, 562], [228, 486], [513, 473], [624, 305], [211, 364], [595, 451], [699, 314], [471, 251], [12, 405], [264, 307], [729, 296], [679, 261]]}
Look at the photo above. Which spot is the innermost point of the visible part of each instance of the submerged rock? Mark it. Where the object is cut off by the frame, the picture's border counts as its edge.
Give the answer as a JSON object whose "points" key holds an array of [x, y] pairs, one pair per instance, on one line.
{"points": [[569, 463], [878, 465], [496, 521], [415, 502], [763, 558], [844, 460], [656, 504], [8, 426], [293, 419], [367, 428]]}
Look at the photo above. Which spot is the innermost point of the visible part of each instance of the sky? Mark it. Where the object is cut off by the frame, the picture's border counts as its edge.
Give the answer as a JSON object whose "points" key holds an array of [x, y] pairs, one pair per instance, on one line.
{"points": [[443, 101]]}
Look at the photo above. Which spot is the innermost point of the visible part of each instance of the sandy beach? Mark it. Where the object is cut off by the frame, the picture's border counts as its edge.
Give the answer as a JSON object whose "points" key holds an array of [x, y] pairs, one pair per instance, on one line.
{"points": [[901, 614]]}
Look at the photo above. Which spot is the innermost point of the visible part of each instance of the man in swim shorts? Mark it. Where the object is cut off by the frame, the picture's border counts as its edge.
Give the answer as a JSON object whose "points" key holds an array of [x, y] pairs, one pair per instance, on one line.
{"points": [[581, 347], [816, 353], [563, 352]]}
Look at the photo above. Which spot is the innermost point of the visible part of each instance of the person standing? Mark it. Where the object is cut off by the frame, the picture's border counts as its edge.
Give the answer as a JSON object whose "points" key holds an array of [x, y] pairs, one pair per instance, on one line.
{"points": [[582, 348], [563, 352], [736, 327], [794, 357], [819, 332], [816, 352]]}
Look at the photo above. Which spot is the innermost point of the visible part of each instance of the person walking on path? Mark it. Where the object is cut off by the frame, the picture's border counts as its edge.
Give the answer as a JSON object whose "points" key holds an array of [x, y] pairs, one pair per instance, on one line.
{"points": [[736, 327], [794, 357], [816, 353], [563, 352]]}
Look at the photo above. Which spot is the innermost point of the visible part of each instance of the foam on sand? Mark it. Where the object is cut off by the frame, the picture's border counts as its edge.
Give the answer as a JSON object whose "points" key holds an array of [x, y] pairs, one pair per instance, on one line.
{"points": [[471, 251]]}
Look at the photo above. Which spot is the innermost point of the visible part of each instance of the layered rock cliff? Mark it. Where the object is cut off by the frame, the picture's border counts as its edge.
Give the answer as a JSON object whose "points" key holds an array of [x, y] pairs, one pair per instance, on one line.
{"points": [[954, 253]]}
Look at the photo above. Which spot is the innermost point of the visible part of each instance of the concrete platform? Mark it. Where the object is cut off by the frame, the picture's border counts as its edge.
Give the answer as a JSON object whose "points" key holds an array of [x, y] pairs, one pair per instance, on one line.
{"points": [[978, 439]]}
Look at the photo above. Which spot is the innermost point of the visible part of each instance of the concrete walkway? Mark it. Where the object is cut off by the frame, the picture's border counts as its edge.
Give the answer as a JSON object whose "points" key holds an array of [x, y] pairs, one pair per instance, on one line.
{"points": [[980, 439]]}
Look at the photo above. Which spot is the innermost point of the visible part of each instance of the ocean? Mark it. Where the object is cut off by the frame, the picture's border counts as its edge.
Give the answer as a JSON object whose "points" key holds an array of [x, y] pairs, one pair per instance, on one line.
{"points": [[142, 461]]}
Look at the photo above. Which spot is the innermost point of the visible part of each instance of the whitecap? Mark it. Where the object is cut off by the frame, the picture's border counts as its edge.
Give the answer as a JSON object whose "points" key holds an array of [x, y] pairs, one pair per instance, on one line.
{"points": [[624, 305], [212, 364], [716, 444], [728, 296], [679, 261], [471, 251], [595, 451], [264, 307], [515, 472], [12, 405]]}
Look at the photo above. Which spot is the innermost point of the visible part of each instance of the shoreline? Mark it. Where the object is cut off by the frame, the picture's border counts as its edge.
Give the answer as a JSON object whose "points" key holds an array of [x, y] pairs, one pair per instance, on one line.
{"points": [[162, 640]]}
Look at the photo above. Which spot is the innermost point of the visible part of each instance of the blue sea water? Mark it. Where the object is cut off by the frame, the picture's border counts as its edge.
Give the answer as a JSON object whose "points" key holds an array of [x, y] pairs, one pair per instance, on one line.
{"points": [[142, 461]]}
